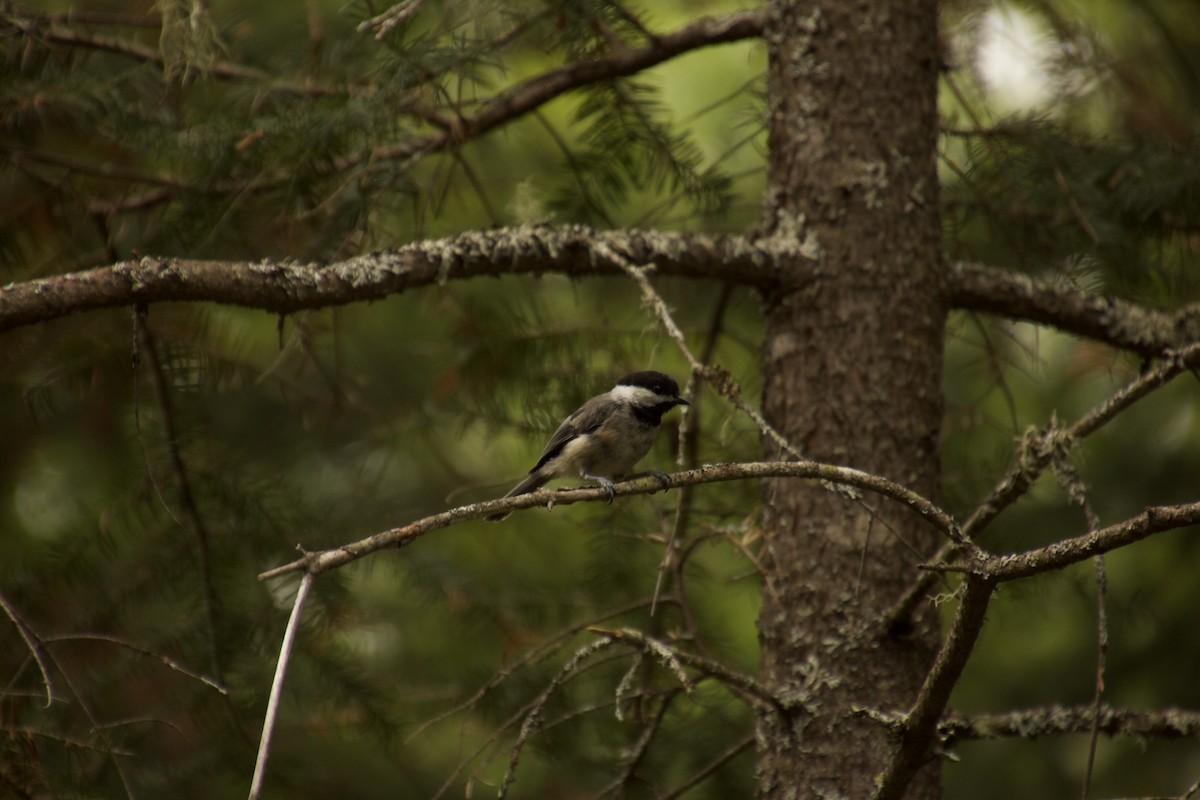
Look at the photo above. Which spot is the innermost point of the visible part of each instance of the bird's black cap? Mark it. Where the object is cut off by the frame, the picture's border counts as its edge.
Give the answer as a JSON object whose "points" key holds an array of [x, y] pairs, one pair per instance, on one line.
{"points": [[656, 382]]}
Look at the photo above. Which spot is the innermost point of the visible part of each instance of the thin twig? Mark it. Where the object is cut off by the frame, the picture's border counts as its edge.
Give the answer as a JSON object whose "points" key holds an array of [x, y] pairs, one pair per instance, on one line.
{"points": [[721, 760], [166, 660], [33, 643], [687, 457], [533, 719], [101, 731], [1072, 484], [65, 741], [637, 752], [533, 656], [385, 23], [516, 718], [187, 498], [675, 660], [285, 653], [1101, 659]]}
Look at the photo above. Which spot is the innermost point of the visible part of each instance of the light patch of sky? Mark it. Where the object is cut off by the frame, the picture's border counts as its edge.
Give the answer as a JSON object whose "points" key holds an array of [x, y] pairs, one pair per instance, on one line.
{"points": [[1013, 56]]}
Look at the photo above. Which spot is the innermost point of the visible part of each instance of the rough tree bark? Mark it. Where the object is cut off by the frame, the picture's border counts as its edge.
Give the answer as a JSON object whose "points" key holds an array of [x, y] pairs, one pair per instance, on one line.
{"points": [[852, 366]]}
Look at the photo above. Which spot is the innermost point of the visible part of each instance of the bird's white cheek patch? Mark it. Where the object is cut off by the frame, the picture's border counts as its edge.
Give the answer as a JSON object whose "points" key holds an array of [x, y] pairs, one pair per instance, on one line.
{"points": [[633, 394]]}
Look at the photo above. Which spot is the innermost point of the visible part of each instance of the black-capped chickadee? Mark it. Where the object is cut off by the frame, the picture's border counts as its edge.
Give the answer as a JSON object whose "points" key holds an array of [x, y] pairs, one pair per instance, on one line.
{"points": [[606, 436]]}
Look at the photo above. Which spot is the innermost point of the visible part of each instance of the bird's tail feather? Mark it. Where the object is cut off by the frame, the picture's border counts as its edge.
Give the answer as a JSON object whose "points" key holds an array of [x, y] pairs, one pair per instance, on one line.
{"points": [[531, 483]]}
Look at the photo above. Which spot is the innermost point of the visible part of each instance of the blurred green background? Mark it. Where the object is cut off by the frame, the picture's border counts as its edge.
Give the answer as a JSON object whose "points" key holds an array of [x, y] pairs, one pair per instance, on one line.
{"points": [[1068, 153]]}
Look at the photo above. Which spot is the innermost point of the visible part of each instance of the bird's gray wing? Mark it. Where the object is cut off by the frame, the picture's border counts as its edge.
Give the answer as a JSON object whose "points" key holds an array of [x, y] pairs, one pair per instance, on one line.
{"points": [[586, 419]]}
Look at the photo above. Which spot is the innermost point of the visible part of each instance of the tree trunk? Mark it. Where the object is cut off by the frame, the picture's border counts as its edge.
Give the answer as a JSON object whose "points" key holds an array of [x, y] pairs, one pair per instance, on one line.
{"points": [[852, 365]]}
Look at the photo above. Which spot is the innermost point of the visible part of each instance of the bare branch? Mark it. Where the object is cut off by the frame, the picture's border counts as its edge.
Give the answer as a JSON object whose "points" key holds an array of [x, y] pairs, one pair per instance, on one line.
{"points": [[675, 659], [99, 729], [1154, 519], [519, 716], [1038, 450], [1076, 490], [283, 287], [320, 561], [637, 753], [918, 729]]}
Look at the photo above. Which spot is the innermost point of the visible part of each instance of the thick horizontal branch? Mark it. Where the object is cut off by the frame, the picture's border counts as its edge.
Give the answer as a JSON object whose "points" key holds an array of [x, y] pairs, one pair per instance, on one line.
{"points": [[1116, 322], [321, 561], [282, 287], [1172, 723]]}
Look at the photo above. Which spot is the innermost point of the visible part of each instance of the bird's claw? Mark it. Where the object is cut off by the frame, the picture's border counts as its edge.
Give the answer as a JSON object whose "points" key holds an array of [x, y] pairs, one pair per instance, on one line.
{"points": [[605, 484], [663, 479]]}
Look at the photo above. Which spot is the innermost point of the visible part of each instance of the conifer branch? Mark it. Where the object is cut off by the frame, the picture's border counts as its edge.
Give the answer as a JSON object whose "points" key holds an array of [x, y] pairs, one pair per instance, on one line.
{"points": [[54, 29], [284, 287], [536, 92], [1116, 322], [1170, 723]]}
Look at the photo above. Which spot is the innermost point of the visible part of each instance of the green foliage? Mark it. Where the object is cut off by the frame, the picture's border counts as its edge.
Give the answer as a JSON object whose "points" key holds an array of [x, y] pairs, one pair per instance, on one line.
{"points": [[1120, 211], [415, 669], [625, 146]]}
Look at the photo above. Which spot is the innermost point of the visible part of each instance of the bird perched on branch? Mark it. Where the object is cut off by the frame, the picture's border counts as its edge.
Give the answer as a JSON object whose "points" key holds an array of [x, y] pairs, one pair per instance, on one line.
{"points": [[606, 436]]}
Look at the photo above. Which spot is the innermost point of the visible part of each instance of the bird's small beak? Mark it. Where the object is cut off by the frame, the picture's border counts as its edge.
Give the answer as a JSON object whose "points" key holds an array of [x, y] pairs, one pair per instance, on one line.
{"points": [[679, 401]]}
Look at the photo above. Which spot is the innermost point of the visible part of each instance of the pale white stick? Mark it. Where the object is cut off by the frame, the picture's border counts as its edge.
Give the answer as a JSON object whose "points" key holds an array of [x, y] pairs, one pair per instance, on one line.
{"points": [[285, 652]]}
